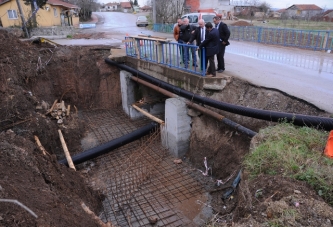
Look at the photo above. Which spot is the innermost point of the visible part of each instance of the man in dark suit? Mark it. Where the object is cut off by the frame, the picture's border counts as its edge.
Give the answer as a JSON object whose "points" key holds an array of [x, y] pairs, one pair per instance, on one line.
{"points": [[211, 44], [199, 36], [224, 36]]}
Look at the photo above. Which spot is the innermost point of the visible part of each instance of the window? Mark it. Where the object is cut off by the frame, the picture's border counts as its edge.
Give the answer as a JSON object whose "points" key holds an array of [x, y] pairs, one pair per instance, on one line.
{"points": [[55, 12], [12, 14], [194, 19]]}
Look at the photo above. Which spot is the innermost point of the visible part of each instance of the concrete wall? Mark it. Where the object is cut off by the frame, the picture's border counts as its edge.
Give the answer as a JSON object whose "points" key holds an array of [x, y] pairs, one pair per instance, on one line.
{"points": [[54, 30], [130, 94], [176, 77]]}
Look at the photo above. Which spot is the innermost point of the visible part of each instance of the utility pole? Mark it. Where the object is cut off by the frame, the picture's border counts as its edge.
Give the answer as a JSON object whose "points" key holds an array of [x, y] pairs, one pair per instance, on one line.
{"points": [[22, 18], [154, 11]]}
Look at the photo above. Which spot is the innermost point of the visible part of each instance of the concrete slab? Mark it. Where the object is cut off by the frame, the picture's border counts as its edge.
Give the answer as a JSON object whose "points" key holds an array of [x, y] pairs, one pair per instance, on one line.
{"points": [[88, 42]]}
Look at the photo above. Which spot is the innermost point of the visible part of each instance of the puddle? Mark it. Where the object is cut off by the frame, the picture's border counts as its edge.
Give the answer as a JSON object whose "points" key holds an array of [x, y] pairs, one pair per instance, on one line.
{"points": [[197, 209]]}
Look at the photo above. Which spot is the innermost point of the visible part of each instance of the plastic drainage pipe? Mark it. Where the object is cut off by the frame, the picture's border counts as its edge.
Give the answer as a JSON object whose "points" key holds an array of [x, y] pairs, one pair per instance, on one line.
{"points": [[111, 145], [296, 119]]}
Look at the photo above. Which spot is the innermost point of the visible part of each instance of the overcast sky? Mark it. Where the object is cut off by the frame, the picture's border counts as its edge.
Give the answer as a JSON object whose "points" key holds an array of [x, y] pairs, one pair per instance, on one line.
{"points": [[327, 4]]}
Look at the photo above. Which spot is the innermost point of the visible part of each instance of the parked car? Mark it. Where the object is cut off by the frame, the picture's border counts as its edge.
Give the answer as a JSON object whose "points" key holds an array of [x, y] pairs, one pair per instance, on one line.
{"points": [[195, 17], [141, 21]]}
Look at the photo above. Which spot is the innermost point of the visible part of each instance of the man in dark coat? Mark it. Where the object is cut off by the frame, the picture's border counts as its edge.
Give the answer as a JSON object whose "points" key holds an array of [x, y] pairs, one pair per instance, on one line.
{"points": [[211, 45], [224, 36], [199, 36], [184, 37]]}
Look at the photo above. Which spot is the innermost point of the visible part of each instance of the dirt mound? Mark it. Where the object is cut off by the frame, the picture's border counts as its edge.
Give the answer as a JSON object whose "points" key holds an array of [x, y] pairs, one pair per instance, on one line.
{"points": [[283, 201], [241, 23], [51, 191], [32, 76]]}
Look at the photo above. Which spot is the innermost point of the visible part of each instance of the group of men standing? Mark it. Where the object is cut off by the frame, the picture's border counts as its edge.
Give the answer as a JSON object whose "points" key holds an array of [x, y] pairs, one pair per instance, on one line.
{"points": [[213, 38]]}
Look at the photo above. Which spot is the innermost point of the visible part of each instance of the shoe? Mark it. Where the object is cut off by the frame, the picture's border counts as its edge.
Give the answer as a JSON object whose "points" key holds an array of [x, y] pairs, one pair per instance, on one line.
{"points": [[195, 65], [220, 71]]}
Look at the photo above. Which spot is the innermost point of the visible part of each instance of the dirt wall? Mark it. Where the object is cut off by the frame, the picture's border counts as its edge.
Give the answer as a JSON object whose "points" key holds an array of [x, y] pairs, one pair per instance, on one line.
{"points": [[222, 145], [32, 76]]}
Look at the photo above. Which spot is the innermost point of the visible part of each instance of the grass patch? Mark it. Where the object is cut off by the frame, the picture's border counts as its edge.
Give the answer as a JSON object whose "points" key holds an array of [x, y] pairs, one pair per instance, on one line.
{"points": [[293, 152], [295, 24], [69, 36]]}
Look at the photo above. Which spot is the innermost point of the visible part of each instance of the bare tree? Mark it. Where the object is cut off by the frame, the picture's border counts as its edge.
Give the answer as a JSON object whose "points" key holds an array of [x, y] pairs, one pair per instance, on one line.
{"points": [[169, 11], [86, 8]]}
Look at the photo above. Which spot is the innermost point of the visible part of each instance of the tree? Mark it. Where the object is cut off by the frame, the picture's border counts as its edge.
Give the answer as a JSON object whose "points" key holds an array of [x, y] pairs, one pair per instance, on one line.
{"points": [[86, 8], [169, 11], [135, 2], [33, 4], [264, 7]]}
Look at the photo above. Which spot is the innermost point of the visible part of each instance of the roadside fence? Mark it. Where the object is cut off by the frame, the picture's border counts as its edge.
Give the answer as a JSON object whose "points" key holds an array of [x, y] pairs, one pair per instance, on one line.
{"points": [[305, 39], [165, 52]]}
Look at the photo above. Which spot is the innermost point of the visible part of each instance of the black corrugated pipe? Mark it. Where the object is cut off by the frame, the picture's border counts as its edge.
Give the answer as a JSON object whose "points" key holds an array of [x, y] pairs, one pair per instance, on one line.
{"points": [[297, 119], [239, 127], [111, 145]]}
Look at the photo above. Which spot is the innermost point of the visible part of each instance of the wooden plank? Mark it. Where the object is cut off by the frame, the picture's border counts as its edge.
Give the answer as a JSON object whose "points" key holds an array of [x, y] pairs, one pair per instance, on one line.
{"points": [[40, 146], [64, 146], [153, 37], [148, 115]]}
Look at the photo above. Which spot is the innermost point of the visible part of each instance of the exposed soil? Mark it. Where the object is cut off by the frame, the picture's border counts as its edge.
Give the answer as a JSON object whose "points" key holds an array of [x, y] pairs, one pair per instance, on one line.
{"points": [[241, 23], [34, 75]]}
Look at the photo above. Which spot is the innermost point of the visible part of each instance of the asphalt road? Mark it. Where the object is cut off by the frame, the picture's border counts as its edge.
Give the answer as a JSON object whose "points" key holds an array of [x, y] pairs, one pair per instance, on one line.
{"points": [[118, 25], [305, 74]]}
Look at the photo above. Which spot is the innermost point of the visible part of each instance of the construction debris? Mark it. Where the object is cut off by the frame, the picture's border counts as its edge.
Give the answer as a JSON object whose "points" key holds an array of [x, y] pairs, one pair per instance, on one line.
{"points": [[177, 161], [59, 111]]}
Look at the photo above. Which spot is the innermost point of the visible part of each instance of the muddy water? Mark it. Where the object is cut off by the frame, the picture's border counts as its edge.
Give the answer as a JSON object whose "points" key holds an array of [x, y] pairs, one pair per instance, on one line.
{"points": [[197, 209]]}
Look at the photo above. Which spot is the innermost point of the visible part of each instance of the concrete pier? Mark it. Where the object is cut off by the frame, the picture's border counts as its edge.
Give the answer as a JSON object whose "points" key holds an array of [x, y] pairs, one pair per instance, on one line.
{"points": [[177, 130], [130, 94]]}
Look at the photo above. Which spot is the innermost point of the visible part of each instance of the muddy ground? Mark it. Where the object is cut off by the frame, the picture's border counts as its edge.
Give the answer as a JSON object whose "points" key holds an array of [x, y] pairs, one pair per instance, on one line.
{"points": [[32, 77], [35, 74]]}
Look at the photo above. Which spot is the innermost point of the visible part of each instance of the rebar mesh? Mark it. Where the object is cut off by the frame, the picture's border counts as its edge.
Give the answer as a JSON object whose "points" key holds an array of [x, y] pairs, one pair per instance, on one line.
{"points": [[140, 181]]}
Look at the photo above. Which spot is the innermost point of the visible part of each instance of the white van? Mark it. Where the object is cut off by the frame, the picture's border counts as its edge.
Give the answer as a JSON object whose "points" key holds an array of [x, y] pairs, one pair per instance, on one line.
{"points": [[195, 17]]}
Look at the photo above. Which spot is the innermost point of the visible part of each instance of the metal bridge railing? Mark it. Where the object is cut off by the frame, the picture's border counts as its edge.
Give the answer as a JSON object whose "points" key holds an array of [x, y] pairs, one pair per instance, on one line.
{"points": [[306, 39], [166, 53]]}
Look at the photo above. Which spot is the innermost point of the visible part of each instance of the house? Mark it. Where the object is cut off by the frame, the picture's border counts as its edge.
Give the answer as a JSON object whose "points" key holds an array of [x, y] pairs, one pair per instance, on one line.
{"points": [[303, 11], [275, 14], [328, 15], [325, 16], [136, 9], [112, 6], [55, 13], [126, 6], [146, 9], [221, 7], [245, 10]]}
